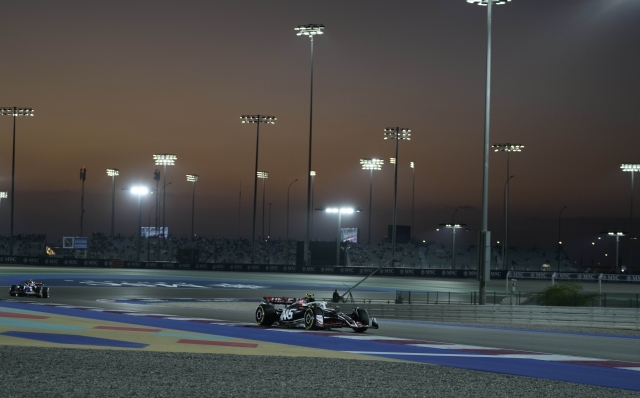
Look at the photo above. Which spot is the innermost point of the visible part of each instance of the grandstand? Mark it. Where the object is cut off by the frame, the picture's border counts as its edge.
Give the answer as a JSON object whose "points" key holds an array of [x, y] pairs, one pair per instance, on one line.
{"points": [[238, 251]]}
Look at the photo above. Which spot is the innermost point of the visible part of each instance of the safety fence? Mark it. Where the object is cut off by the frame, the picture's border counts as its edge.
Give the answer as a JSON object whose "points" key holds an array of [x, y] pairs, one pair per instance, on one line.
{"points": [[619, 318]]}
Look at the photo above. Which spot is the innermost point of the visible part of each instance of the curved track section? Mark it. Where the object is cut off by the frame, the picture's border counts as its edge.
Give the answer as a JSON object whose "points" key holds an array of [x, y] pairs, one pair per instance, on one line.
{"points": [[191, 307]]}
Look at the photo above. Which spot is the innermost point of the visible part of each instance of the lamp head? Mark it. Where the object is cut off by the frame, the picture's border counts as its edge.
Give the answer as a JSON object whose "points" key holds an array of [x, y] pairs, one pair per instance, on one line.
{"points": [[309, 30], [165, 159], [113, 172], [258, 119], [192, 177]]}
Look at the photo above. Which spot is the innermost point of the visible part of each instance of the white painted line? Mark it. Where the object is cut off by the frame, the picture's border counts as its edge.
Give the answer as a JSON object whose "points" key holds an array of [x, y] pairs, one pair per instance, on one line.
{"points": [[453, 347], [636, 369], [372, 337]]}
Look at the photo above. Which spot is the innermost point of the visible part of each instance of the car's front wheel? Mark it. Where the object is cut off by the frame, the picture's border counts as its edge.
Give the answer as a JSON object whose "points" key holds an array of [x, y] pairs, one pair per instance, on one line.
{"points": [[310, 318], [13, 291]]}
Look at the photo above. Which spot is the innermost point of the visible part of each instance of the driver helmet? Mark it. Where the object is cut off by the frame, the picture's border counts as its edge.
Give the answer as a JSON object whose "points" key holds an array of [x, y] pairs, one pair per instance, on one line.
{"points": [[310, 298]]}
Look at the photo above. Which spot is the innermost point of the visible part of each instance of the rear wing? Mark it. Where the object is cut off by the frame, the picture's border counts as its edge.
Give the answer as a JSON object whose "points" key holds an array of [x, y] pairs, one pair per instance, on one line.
{"points": [[280, 300]]}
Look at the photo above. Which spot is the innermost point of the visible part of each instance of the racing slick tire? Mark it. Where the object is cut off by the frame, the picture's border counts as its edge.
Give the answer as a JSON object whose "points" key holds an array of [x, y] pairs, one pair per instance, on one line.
{"points": [[310, 321], [363, 316], [44, 292], [13, 291], [38, 291], [265, 315]]}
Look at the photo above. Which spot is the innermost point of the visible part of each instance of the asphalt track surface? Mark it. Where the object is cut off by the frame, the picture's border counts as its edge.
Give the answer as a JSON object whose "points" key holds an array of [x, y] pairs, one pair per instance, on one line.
{"points": [[120, 290]]}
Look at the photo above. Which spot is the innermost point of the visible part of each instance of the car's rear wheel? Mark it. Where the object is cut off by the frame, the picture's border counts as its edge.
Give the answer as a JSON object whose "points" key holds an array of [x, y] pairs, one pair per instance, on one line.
{"points": [[310, 321], [265, 315], [44, 292], [38, 291]]}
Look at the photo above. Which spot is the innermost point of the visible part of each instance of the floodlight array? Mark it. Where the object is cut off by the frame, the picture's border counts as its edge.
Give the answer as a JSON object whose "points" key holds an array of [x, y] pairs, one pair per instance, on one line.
{"points": [[139, 190], [192, 177], [165, 159], [16, 111], [485, 2], [412, 165], [507, 147], [397, 133], [3, 195], [371, 164], [113, 172], [630, 167], [258, 119], [617, 233], [263, 174], [312, 173], [392, 160], [310, 30], [342, 210]]}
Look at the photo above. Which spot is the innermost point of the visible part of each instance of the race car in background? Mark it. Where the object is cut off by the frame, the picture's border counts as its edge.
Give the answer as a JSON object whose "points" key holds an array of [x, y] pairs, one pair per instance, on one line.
{"points": [[310, 314], [29, 289]]}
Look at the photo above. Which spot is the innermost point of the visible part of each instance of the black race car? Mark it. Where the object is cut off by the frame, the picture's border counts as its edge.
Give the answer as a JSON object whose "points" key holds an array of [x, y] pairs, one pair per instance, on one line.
{"points": [[29, 289], [310, 314]]}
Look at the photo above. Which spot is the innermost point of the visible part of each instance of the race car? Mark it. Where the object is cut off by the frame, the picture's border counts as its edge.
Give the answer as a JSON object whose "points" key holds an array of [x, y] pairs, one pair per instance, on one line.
{"points": [[310, 314], [29, 288]]}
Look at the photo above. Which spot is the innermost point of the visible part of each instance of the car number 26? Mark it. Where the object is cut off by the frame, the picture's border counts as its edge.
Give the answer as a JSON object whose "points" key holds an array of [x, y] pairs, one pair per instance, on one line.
{"points": [[287, 314]]}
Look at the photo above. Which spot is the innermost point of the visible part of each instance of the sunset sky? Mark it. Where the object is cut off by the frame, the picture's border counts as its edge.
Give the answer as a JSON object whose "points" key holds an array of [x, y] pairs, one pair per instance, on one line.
{"points": [[113, 82]]}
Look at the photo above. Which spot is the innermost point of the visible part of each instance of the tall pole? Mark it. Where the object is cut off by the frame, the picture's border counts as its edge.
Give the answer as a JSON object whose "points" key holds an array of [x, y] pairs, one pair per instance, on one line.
{"points": [[370, 201], [505, 248], [484, 266], [269, 228], [453, 224], [113, 202], [395, 202], [413, 195], [308, 234], [617, 254], [193, 208], [138, 233], [338, 237], [560, 235], [255, 190], [164, 200], [239, 208], [13, 173], [631, 237], [263, 193], [83, 175]]}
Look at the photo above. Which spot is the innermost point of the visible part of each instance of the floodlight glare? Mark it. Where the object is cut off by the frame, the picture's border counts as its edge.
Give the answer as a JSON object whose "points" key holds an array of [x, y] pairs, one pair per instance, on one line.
{"points": [[484, 2], [263, 174], [165, 159], [3, 195], [309, 30], [139, 190], [192, 177], [412, 165], [630, 167], [371, 164], [113, 172], [312, 173], [507, 147]]}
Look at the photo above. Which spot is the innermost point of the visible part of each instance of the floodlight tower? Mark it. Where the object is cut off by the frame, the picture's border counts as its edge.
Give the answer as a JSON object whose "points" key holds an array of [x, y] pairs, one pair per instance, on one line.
{"points": [[257, 119], [83, 176], [340, 212], [164, 160], [632, 168], [15, 112], [193, 178], [484, 258], [139, 191], [560, 234], [113, 173], [454, 227], [309, 30], [312, 174], [507, 148], [263, 175], [397, 134], [617, 234], [371, 164]]}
